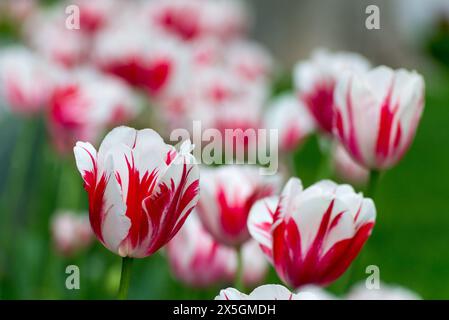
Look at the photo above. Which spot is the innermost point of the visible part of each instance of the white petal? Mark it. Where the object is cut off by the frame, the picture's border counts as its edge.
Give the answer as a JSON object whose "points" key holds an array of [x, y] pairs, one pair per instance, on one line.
{"points": [[85, 156], [271, 292], [260, 221], [231, 294], [117, 136], [116, 224]]}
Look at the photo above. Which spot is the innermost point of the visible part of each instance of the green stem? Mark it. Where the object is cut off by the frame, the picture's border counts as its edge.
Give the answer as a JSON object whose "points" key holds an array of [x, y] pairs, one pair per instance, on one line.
{"points": [[239, 275], [125, 278], [370, 192], [325, 166], [374, 178]]}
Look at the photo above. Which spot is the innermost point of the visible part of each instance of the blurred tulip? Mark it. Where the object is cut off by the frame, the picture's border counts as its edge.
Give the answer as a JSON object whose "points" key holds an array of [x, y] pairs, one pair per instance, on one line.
{"points": [[96, 15], [197, 259], [71, 232], [250, 60], [144, 59], [312, 235], [255, 264], [377, 114], [315, 80], [347, 169], [18, 10], [85, 104], [266, 292], [54, 41], [194, 20], [140, 189], [385, 292], [292, 120], [227, 195], [26, 80]]}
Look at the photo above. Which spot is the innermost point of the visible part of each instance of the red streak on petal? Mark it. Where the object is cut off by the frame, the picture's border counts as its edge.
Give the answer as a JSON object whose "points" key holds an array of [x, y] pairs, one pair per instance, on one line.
{"points": [[234, 216], [320, 102], [138, 190], [165, 207], [95, 189]]}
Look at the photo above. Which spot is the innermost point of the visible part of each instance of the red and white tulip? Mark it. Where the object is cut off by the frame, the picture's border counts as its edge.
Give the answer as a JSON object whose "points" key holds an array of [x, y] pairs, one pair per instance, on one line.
{"points": [[70, 232], [144, 59], [140, 189], [292, 120], [254, 263], [227, 195], [384, 292], [377, 114], [195, 20], [26, 80], [266, 292], [54, 41], [346, 169], [197, 259], [312, 235], [84, 104], [98, 14], [315, 81]]}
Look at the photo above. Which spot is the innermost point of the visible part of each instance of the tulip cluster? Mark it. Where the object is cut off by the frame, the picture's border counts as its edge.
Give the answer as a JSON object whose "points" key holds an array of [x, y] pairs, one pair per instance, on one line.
{"points": [[163, 64], [372, 112]]}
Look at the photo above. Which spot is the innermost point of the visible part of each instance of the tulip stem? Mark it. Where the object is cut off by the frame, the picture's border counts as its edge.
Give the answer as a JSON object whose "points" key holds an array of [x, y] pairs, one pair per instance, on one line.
{"points": [[125, 278], [325, 168], [239, 274], [370, 192], [373, 182]]}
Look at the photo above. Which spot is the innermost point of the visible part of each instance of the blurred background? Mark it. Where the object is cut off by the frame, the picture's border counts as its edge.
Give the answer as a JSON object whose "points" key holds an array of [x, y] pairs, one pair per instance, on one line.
{"points": [[411, 237]]}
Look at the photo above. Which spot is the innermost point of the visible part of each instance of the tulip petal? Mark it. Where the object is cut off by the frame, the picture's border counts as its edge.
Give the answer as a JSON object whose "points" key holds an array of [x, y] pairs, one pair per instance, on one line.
{"points": [[117, 136], [172, 202], [86, 157], [115, 224], [260, 223]]}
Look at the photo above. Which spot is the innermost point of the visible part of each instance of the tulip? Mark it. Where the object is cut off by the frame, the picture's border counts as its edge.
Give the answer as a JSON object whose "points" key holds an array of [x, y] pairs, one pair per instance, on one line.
{"points": [[292, 120], [54, 41], [266, 292], [140, 189], [254, 264], [227, 195], [250, 60], [384, 292], [347, 169], [195, 20], [146, 60], [71, 232], [85, 104], [96, 15], [199, 261], [377, 114], [226, 20], [26, 81], [312, 235], [315, 80]]}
